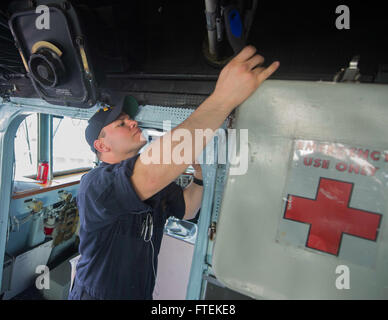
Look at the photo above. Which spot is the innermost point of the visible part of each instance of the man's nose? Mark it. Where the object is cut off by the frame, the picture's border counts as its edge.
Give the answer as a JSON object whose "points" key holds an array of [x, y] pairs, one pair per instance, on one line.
{"points": [[132, 123]]}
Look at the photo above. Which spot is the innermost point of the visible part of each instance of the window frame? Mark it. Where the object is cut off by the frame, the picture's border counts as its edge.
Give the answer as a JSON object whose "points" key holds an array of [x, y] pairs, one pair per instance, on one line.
{"points": [[48, 153]]}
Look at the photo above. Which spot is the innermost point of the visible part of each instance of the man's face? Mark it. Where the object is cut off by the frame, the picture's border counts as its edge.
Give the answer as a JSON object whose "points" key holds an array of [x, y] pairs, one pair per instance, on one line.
{"points": [[123, 135]]}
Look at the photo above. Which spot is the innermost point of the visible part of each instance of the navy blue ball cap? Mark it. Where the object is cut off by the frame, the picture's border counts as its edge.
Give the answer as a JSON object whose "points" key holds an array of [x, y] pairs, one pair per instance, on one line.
{"points": [[107, 114]]}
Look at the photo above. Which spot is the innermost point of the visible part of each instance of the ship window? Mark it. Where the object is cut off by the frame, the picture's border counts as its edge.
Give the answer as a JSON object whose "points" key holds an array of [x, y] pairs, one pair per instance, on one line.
{"points": [[26, 148], [70, 149]]}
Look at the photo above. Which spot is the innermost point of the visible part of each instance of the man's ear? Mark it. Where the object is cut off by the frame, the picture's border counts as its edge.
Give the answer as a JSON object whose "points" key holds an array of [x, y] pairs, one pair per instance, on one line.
{"points": [[100, 146]]}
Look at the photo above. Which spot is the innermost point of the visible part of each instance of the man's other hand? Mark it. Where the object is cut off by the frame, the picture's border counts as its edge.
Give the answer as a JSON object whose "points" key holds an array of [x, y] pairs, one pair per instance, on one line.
{"points": [[241, 77]]}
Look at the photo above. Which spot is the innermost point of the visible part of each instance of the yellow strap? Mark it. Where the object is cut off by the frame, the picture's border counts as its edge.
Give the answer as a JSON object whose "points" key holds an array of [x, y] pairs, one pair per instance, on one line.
{"points": [[45, 44]]}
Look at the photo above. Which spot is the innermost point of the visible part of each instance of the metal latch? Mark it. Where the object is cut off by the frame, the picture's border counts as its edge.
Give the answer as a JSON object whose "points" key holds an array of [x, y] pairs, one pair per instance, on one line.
{"points": [[350, 74], [212, 231]]}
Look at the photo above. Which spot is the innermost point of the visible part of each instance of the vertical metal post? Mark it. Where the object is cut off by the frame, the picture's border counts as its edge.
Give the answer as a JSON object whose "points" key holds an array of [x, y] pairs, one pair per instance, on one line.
{"points": [[211, 6], [45, 141], [198, 265], [8, 130], [50, 152]]}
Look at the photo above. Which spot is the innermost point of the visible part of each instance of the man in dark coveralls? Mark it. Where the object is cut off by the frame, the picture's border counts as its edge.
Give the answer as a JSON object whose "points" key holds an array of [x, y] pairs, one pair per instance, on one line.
{"points": [[125, 201]]}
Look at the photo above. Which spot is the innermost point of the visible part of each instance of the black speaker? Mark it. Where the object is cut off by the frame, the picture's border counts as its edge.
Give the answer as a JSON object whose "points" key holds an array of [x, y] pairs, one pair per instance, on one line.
{"points": [[55, 53]]}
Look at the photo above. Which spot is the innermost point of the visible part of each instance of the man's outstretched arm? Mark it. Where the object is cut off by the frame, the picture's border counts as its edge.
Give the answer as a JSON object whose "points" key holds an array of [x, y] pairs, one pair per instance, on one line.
{"points": [[236, 82]]}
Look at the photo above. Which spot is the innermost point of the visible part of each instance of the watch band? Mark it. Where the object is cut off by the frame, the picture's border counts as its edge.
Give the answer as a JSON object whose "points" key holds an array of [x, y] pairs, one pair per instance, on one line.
{"points": [[198, 181]]}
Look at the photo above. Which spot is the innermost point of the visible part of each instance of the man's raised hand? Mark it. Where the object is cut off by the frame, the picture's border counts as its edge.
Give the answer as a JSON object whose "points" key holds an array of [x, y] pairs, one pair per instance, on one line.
{"points": [[241, 77]]}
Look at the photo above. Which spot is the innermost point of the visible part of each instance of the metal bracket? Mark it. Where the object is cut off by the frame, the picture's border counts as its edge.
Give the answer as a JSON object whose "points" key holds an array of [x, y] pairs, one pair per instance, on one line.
{"points": [[64, 196], [34, 205], [350, 74]]}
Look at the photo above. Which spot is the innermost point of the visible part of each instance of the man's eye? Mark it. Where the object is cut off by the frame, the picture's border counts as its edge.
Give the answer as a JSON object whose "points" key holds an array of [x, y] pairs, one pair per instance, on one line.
{"points": [[121, 124]]}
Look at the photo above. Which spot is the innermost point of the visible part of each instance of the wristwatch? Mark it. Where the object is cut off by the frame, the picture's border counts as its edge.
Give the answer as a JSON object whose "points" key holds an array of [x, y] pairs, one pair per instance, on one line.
{"points": [[198, 181]]}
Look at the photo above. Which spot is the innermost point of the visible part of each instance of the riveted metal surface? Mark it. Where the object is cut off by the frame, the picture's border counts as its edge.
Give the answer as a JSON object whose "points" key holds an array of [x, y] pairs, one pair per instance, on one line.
{"points": [[153, 116]]}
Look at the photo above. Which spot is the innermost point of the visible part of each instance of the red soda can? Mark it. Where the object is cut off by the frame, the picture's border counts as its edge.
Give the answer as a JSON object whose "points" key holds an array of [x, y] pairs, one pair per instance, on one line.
{"points": [[43, 172]]}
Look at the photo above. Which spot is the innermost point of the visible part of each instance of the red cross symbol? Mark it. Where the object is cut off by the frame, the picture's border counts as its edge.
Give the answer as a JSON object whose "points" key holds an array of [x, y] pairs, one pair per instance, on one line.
{"points": [[330, 216]]}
